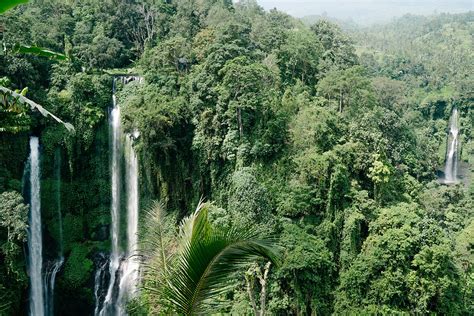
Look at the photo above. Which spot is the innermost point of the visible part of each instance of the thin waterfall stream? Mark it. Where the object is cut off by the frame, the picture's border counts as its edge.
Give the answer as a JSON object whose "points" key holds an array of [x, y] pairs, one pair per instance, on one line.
{"points": [[130, 268], [35, 244], [451, 167]]}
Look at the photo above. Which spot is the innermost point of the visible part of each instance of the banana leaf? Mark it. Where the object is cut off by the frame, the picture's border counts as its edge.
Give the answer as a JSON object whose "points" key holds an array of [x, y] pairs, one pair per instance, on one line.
{"points": [[6, 5], [38, 51], [35, 106]]}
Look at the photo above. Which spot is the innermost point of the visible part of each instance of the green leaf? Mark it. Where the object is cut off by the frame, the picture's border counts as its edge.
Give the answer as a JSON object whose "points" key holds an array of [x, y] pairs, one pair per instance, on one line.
{"points": [[6, 5], [38, 51], [206, 260], [35, 106]]}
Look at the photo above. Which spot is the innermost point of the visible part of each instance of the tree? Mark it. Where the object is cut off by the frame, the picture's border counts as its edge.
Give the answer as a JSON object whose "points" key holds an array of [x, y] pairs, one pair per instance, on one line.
{"points": [[203, 263], [379, 173], [349, 87], [405, 265], [13, 218], [13, 103], [13, 224], [338, 49], [299, 56], [245, 87]]}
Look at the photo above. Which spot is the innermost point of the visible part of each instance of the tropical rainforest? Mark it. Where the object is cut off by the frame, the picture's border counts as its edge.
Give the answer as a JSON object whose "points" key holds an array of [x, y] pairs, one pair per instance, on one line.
{"points": [[192, 157]]}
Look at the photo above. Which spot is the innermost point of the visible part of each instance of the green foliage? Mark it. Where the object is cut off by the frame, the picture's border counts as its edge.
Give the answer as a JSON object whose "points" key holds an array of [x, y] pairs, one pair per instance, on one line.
{"points": [[299, 56], [205, 259], [13, 110], [282, 125], [338, 50], [78, 267], [348, 88], [13, 229], [8, 4], [38, 51], [305, 274], [401, 243], [13, 219], [249, 202]]}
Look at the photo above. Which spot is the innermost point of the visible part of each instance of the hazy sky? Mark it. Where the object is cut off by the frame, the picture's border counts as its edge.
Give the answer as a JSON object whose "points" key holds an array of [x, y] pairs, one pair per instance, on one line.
{"points": [[367, 10]]}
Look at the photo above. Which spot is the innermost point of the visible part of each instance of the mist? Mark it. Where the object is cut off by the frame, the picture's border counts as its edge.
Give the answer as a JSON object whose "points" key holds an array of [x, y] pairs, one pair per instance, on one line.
{"points": [[367, 11]]}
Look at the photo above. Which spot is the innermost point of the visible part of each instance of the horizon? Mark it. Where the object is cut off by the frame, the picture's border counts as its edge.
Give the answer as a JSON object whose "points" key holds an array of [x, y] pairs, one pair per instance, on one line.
{"points": [[365, 12]]}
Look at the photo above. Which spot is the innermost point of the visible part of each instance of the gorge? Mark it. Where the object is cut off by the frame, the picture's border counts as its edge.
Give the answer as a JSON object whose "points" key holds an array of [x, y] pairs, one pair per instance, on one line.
{"points": [[222, 159], [123, 261]]}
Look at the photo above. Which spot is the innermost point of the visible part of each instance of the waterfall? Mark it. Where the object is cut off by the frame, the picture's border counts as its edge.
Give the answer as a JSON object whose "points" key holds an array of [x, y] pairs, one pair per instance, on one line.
{"points": [[99, 282], [451, 168], [49, 281], [54, 266], [35, 247], [123, 268], [130, 268], [115, 208]]}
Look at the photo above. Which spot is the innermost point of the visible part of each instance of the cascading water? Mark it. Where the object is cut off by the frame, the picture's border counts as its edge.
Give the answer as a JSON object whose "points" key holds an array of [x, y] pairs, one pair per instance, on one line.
{"points": [[49, 281], [35, 246], [108, 307], [100, 282], [54, 266], [123, 274], [130, 268], [451, 168]]}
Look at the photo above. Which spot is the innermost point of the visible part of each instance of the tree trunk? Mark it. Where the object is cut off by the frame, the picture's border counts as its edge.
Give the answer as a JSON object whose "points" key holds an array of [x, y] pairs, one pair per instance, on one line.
{"points": [[263, 284], [239, 121], [250, 281], [340, 101]]}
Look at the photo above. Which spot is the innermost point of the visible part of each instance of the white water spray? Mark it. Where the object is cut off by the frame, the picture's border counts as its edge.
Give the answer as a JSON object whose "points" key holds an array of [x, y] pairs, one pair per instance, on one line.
{"points": [[451, 168], [49, 282], [115, 208], [99, 282], [35, 246], [123, 271], [130, 267]]}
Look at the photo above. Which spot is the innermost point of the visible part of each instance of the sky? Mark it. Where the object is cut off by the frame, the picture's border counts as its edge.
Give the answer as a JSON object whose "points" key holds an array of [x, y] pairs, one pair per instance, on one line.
{"points": [[367, 11]]}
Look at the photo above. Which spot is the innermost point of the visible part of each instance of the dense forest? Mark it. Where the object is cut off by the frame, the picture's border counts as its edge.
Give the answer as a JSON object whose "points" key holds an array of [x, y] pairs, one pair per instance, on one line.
{"points": [[280, 168]]}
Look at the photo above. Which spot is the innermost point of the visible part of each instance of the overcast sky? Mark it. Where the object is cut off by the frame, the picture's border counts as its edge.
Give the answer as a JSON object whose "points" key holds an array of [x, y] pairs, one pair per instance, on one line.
{"points": [[364, 11]]}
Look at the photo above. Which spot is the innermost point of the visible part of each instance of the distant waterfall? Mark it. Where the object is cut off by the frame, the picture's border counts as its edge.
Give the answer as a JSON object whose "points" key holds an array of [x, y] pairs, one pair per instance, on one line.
{"points": [[52, 269], [35, 247], [123, 267], [451, 168]]}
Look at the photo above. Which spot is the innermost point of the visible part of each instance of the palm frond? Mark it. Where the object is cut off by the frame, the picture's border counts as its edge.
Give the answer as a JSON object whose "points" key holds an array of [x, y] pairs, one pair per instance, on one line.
{"points": [[156, 243], [206, 261], [35, 106]]}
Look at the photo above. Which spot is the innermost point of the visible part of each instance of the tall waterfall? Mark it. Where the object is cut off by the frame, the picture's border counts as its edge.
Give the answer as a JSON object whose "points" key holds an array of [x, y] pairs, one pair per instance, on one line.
{"points": [[451, 168], [35, 247], [109, 306], [123, 266], [130, 268], [53, 267]]}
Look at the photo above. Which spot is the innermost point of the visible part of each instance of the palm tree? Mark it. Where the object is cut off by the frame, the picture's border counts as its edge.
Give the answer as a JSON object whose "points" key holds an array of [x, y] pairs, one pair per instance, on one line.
{"points": [[198, 266]]}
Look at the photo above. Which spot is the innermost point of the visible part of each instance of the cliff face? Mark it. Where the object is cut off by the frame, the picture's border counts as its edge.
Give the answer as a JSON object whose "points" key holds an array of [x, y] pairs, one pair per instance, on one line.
{"points": [[75, 198]]}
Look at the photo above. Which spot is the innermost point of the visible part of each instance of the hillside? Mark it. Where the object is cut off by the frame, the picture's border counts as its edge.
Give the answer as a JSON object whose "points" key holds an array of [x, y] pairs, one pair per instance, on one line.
{"points": [[229, 160]]}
